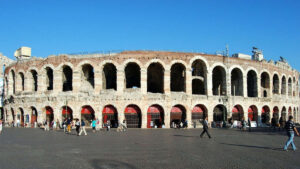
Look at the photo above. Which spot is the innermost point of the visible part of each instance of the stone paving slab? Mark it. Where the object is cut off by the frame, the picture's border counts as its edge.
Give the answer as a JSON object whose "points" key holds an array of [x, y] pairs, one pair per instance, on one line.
{"points": [[23, 148]]}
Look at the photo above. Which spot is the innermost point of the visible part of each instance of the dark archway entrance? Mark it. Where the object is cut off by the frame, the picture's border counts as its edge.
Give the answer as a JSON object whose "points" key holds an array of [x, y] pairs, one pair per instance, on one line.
{"points": [[109, 76], [110, 113], [133, 75], [219, 81], [21, 117], [237, 113], [34, 115], [199, 76], [265, 115], [49, 115], [237, 82], [178, 77], [155, 78], [133, 116], [87, 115], [220, 113], [67, 112], [178, 115], [155, 116], [199, 113], [252, 113], [252, 84]]}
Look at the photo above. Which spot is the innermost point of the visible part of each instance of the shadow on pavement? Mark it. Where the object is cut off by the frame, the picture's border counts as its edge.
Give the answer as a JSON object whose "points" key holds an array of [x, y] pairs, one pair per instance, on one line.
{"points": [[250, 146], [178, 135], [110, 164]]}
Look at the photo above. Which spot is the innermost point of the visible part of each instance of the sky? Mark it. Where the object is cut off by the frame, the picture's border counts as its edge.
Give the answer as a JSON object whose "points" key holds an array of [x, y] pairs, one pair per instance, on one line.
{"points": [[75, 26]]}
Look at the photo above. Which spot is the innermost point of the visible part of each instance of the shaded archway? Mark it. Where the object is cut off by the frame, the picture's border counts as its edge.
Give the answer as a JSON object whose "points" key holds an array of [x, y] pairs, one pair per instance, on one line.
{"points": [[34, 80], [87, 77], [21, 117], [265, 115], [283, 85], [34, 115], [199, 113], [13, 114], [219, 81], [252, 84], [22, 78], [220, 113], [177, 115], [252, 113], [275, 84], [265, 84], [199, 76], [290, 111], [275, 118], [155, 78], [67, 78], [49, 78], [109, 76], [49, 114], [110, 113], [178, 76], [87, 114], [237, 82], [67, 112], [155, 116], [133, 75], [283, 113], [237, 113], [13, 76], [133, 116]]}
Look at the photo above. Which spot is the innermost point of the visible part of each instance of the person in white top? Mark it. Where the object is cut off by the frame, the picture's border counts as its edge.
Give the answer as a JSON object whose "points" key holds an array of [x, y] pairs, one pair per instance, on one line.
{"points": [[18, 122], [1, 124]]}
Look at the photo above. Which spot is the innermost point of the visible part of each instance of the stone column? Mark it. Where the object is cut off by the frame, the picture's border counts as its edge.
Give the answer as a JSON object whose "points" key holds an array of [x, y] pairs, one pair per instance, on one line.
{"points": [[245, 87], [98, 80], [144, 117], [120, 80], [188, 81], [42, 87], [189, 117], [167, 80], [271, 88], [167, 116], [209, 83], [228, 84], [76, 81], [144, 81], [57, 81], [258, 87]]}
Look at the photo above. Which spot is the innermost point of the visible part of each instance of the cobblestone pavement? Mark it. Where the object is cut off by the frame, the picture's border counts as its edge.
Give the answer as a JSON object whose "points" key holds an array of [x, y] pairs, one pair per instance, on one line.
{"points": [[143, 148]]}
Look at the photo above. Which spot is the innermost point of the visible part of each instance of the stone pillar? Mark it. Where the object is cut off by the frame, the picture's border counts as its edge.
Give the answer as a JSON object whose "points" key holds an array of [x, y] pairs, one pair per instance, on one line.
{"points": [[258, 87], [270, 95], [144, 117], [228, 84], [245, 87], [144, 81], [189, 117], [42, 87], [209, 83], [167, 116], [57, 81], [76, 81], [188, 82], [98, 80], [167, 80], [120, 80]]}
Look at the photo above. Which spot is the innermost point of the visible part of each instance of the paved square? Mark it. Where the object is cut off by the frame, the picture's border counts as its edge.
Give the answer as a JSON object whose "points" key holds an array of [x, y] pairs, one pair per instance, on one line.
{"points": [[142, 148]]}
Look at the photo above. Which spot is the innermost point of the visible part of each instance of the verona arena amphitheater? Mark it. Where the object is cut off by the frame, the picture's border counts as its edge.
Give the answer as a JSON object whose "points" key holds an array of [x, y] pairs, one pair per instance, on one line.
{"points": [[149, 88]]}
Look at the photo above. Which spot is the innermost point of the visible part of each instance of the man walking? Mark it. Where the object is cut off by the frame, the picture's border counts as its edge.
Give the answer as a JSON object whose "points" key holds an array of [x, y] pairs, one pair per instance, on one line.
{"points": [[82, 128], [205, 128], [290, 128]]}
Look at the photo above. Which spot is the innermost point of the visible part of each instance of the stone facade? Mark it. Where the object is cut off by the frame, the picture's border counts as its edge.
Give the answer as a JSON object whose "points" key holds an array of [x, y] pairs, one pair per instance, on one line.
{"points": [[141, 79]]}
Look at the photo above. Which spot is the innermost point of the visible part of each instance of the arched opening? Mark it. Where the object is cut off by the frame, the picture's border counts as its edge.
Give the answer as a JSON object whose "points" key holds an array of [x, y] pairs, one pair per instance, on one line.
{"points": [[237, 113], [199, 73], [290, 111], [87, 115], [133, 75], [7, 86], [220, 115], [252, 113], [13, 114], [34, 80], [275, 84], [13, 76], [265, 115], [67, 78], [283, 85], [265, 84], [251, 84], [21, 75], [219, 81], [237, 82], [283, 114], [49, 78], [155, 78], [67, 112], [109, 76], [178, 115], [290, 87], [178, 77], [34, 115], [110, 113], [87, 77], [294, 86], [133, 116], [49, 115], [155, 116], [21, 117], [275, 118], [199, 113]]}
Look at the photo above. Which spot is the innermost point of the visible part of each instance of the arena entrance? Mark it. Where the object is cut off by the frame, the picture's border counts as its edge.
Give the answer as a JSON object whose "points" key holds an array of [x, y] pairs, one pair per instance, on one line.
{"points": [[49, 115], [220, 115], [283, 114], [67, 112], [21, 117], [155, 117], [252, 113], [275, 118], [133, 116], [87, 115], [199, 113], [34, 115], [178, 115], [109, 113], [290, 111], [237, 113], [265, 115]]}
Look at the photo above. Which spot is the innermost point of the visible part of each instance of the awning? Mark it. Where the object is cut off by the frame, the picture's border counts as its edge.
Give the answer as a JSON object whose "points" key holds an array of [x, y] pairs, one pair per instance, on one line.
{"points": [[176, 110], [153, 109], [131, 110], [250, 110], [68, 111], [86, 110], [108, 110], [235, 110], [197, 109]]}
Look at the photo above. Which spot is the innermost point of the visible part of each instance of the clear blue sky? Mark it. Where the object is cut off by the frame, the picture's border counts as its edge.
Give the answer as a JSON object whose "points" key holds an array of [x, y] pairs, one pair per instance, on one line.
{"points": [[72, 26]]}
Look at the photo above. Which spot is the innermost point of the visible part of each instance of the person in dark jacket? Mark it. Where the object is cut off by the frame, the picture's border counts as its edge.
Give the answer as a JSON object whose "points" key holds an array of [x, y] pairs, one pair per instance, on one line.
{"points": [[291, 129], [82, 128], [205, 128]]}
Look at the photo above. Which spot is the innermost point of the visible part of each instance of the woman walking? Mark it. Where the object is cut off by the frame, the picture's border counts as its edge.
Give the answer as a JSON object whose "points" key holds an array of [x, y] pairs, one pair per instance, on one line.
{"points": [[77, 125]]}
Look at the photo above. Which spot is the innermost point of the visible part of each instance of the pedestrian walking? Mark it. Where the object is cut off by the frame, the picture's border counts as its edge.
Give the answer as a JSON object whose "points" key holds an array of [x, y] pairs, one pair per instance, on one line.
{"points": [[1, 124], [94, 123], [244, 124], [205, 128], [69, 122], [82, 128], [77, 125], [18, 123], [46, 126], [54, 125], [64, 124], [108, 125], [291, 129], [249, 123]]}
